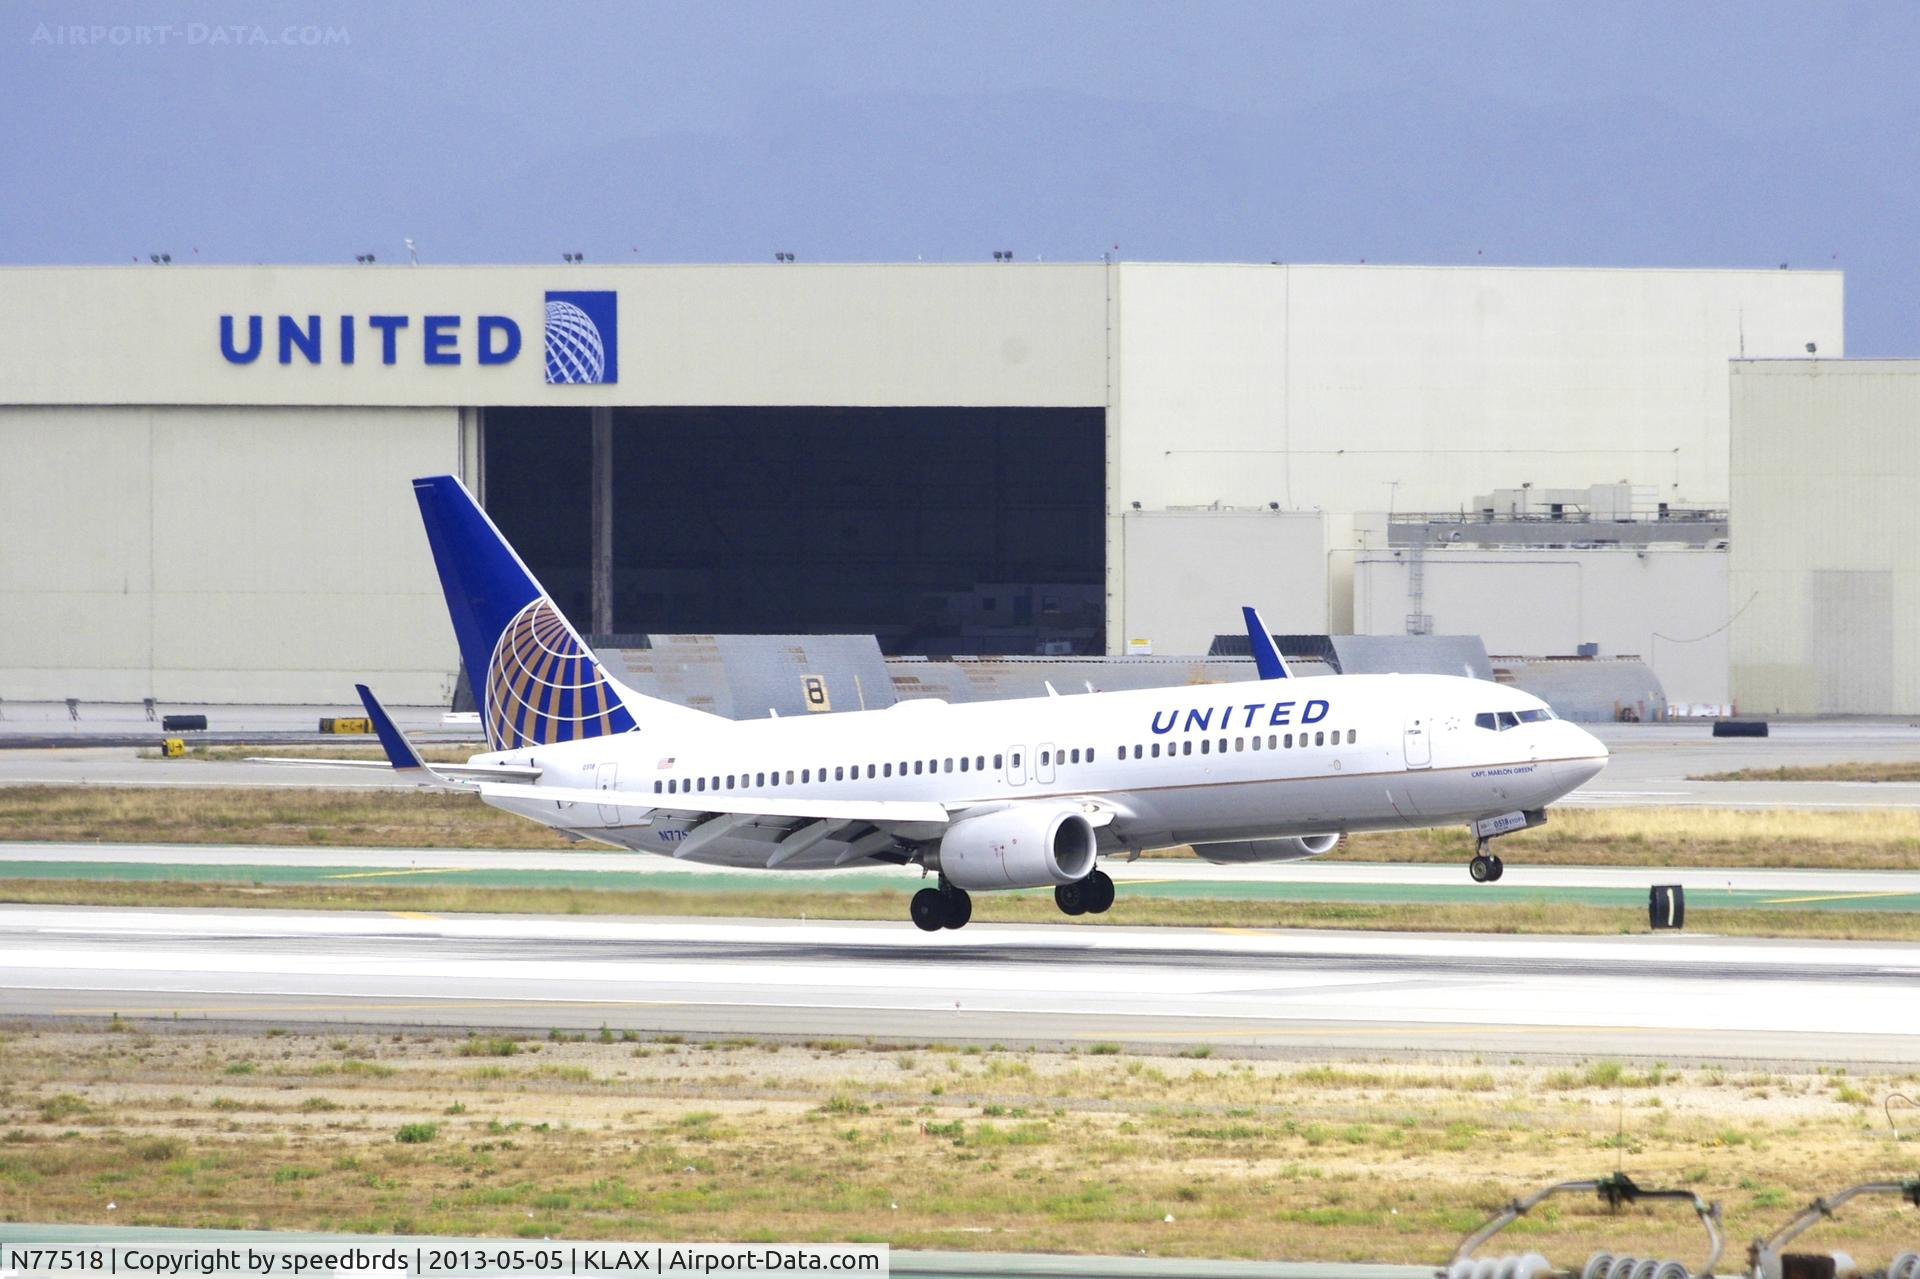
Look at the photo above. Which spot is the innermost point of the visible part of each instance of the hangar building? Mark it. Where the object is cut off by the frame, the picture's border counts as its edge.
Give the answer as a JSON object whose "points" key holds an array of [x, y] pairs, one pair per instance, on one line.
{"points": [[204, 498]]}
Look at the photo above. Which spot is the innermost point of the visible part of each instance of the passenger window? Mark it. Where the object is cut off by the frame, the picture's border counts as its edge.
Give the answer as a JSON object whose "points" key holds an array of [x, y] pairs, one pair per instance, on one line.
{"points": [[1186, 748], [949, 766], [716, 783], [1204, 744], [916, 768], [1076, 755], [1289, 741], [729, 781], [999, 762], [1136, 752], [1089, 754], [789, 777], [1273, 741], [806, 774], [1223, 746], [1046, 757], [1016, 759], [1352, 733], [1156, 750], [703, 783], [963, 763], [1239, 743], [979, 763], [656, 788]]}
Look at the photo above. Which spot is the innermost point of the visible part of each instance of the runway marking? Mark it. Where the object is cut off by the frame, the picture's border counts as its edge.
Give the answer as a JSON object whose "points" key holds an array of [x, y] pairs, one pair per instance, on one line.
{"points": [[360, 1004], [1835, 897], [382, 874], [1390, 1028]]}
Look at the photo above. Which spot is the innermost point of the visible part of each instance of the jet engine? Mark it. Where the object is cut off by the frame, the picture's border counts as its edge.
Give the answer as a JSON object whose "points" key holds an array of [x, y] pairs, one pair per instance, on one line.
{"points": [[1023, 846], [1267, 850]]}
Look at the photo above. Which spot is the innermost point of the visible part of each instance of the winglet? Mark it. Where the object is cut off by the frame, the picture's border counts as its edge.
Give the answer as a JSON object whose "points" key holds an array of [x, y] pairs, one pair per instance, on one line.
{"points": [[400, 752], [1266, 657]]}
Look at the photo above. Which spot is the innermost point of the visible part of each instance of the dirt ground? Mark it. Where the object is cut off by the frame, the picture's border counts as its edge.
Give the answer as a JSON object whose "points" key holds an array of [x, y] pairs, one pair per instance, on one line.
{"points": [[920, 1145]]}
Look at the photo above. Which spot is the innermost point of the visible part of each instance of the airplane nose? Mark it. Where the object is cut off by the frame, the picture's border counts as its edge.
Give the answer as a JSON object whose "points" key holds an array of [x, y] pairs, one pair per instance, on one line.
{"points": [[1584, 761]]}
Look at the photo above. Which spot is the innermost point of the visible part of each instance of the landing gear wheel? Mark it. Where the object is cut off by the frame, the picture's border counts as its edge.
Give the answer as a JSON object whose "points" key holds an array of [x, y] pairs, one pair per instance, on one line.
{"points": [[1499, 869], [958, 907], [1481, 868], [1098, 892], [929, 910], [1071, 898]]}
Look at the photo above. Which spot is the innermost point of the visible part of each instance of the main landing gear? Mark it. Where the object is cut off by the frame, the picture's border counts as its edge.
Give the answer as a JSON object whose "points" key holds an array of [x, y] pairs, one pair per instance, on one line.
{"points": [[1089, 896], [943, 907], [1485, 867]]}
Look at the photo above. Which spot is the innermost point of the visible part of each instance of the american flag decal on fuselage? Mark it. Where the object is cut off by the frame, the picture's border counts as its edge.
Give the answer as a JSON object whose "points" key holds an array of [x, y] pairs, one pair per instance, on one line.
{"points": [[543, 686]]}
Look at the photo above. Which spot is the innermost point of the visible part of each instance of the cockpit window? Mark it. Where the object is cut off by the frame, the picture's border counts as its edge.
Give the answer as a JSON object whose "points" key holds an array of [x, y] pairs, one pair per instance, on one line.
{"points": [[1498, 721]]}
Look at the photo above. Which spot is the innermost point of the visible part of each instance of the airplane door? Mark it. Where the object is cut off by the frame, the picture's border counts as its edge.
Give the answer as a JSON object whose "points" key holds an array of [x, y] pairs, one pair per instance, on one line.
{"points": [[607, 777], [1043, 763], [1016, 766], [1419, 741]]}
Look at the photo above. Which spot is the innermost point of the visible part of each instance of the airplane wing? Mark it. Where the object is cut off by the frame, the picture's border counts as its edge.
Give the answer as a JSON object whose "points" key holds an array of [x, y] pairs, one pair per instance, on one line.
{"points": [[841, 810]]}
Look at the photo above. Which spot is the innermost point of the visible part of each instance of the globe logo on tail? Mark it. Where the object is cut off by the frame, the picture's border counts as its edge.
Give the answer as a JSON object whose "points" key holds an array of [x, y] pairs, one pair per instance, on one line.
{"points": [[583, 344], [543, 686]]}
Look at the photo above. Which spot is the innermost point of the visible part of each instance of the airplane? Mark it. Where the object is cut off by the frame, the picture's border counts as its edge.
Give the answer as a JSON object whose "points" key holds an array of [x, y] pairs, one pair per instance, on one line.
{"points": [[983, 796]]}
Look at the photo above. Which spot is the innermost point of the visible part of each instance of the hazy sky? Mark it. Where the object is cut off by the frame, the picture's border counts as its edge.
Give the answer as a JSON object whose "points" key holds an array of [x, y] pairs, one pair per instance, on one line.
{"points": [[1672, 134]]}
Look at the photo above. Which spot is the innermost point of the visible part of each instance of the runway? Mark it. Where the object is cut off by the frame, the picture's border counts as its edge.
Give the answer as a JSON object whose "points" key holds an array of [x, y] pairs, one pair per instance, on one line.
{"points": [[1155, 876], [1297, 993]]}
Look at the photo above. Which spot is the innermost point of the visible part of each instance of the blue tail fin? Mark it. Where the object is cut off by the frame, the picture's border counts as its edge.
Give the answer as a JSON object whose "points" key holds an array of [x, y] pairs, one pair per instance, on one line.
{"points": [[1266, 655], [534, 678]]}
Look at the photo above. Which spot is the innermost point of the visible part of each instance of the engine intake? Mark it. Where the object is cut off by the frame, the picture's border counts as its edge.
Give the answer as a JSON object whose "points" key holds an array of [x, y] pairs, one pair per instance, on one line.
{"points": [[1295, 849], [1024, 846]]}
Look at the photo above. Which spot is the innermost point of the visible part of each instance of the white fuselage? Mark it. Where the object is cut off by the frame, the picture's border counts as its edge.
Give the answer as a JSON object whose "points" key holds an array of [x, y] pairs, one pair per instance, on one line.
{"points": [[1195, 764]]}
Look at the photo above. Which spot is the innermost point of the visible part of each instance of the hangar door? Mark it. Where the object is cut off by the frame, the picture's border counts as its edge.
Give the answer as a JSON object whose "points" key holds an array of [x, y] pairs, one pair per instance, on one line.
{"points": [[941, 531]]}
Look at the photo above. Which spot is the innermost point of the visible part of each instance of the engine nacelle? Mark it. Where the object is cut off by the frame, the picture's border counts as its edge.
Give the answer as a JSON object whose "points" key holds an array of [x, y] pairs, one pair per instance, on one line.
{"points": [[1024, 846], [1267, 850]]}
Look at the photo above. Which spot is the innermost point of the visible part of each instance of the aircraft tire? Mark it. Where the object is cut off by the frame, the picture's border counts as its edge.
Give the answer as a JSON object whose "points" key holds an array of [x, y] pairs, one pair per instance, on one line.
{"points": [[929, 910], [958, 908], [1499, 869], [1099, 892], [1481, 868], [1071, 898]]}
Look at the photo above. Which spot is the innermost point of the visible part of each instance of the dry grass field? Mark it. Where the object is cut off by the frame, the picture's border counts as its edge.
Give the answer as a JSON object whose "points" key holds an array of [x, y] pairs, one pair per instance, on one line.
{"points": [[921, 1146], [1869, 771], [1884, 839]]}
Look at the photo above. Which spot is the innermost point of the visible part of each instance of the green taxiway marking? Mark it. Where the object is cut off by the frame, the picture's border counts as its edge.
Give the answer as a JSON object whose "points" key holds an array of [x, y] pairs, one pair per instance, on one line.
{"points": [[695, 881]]}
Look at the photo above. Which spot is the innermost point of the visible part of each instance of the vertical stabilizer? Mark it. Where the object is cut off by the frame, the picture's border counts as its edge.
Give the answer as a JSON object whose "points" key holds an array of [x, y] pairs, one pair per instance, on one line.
{"points": [[534, 678]]}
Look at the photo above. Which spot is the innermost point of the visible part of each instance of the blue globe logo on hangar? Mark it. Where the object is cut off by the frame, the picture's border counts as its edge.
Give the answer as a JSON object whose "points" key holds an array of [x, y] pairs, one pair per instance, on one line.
{"points": [[583, 337]]}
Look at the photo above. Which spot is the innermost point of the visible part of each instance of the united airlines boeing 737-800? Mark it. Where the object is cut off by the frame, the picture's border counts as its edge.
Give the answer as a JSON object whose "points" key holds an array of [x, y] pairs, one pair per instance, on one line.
{"points": [[986, 796]]}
